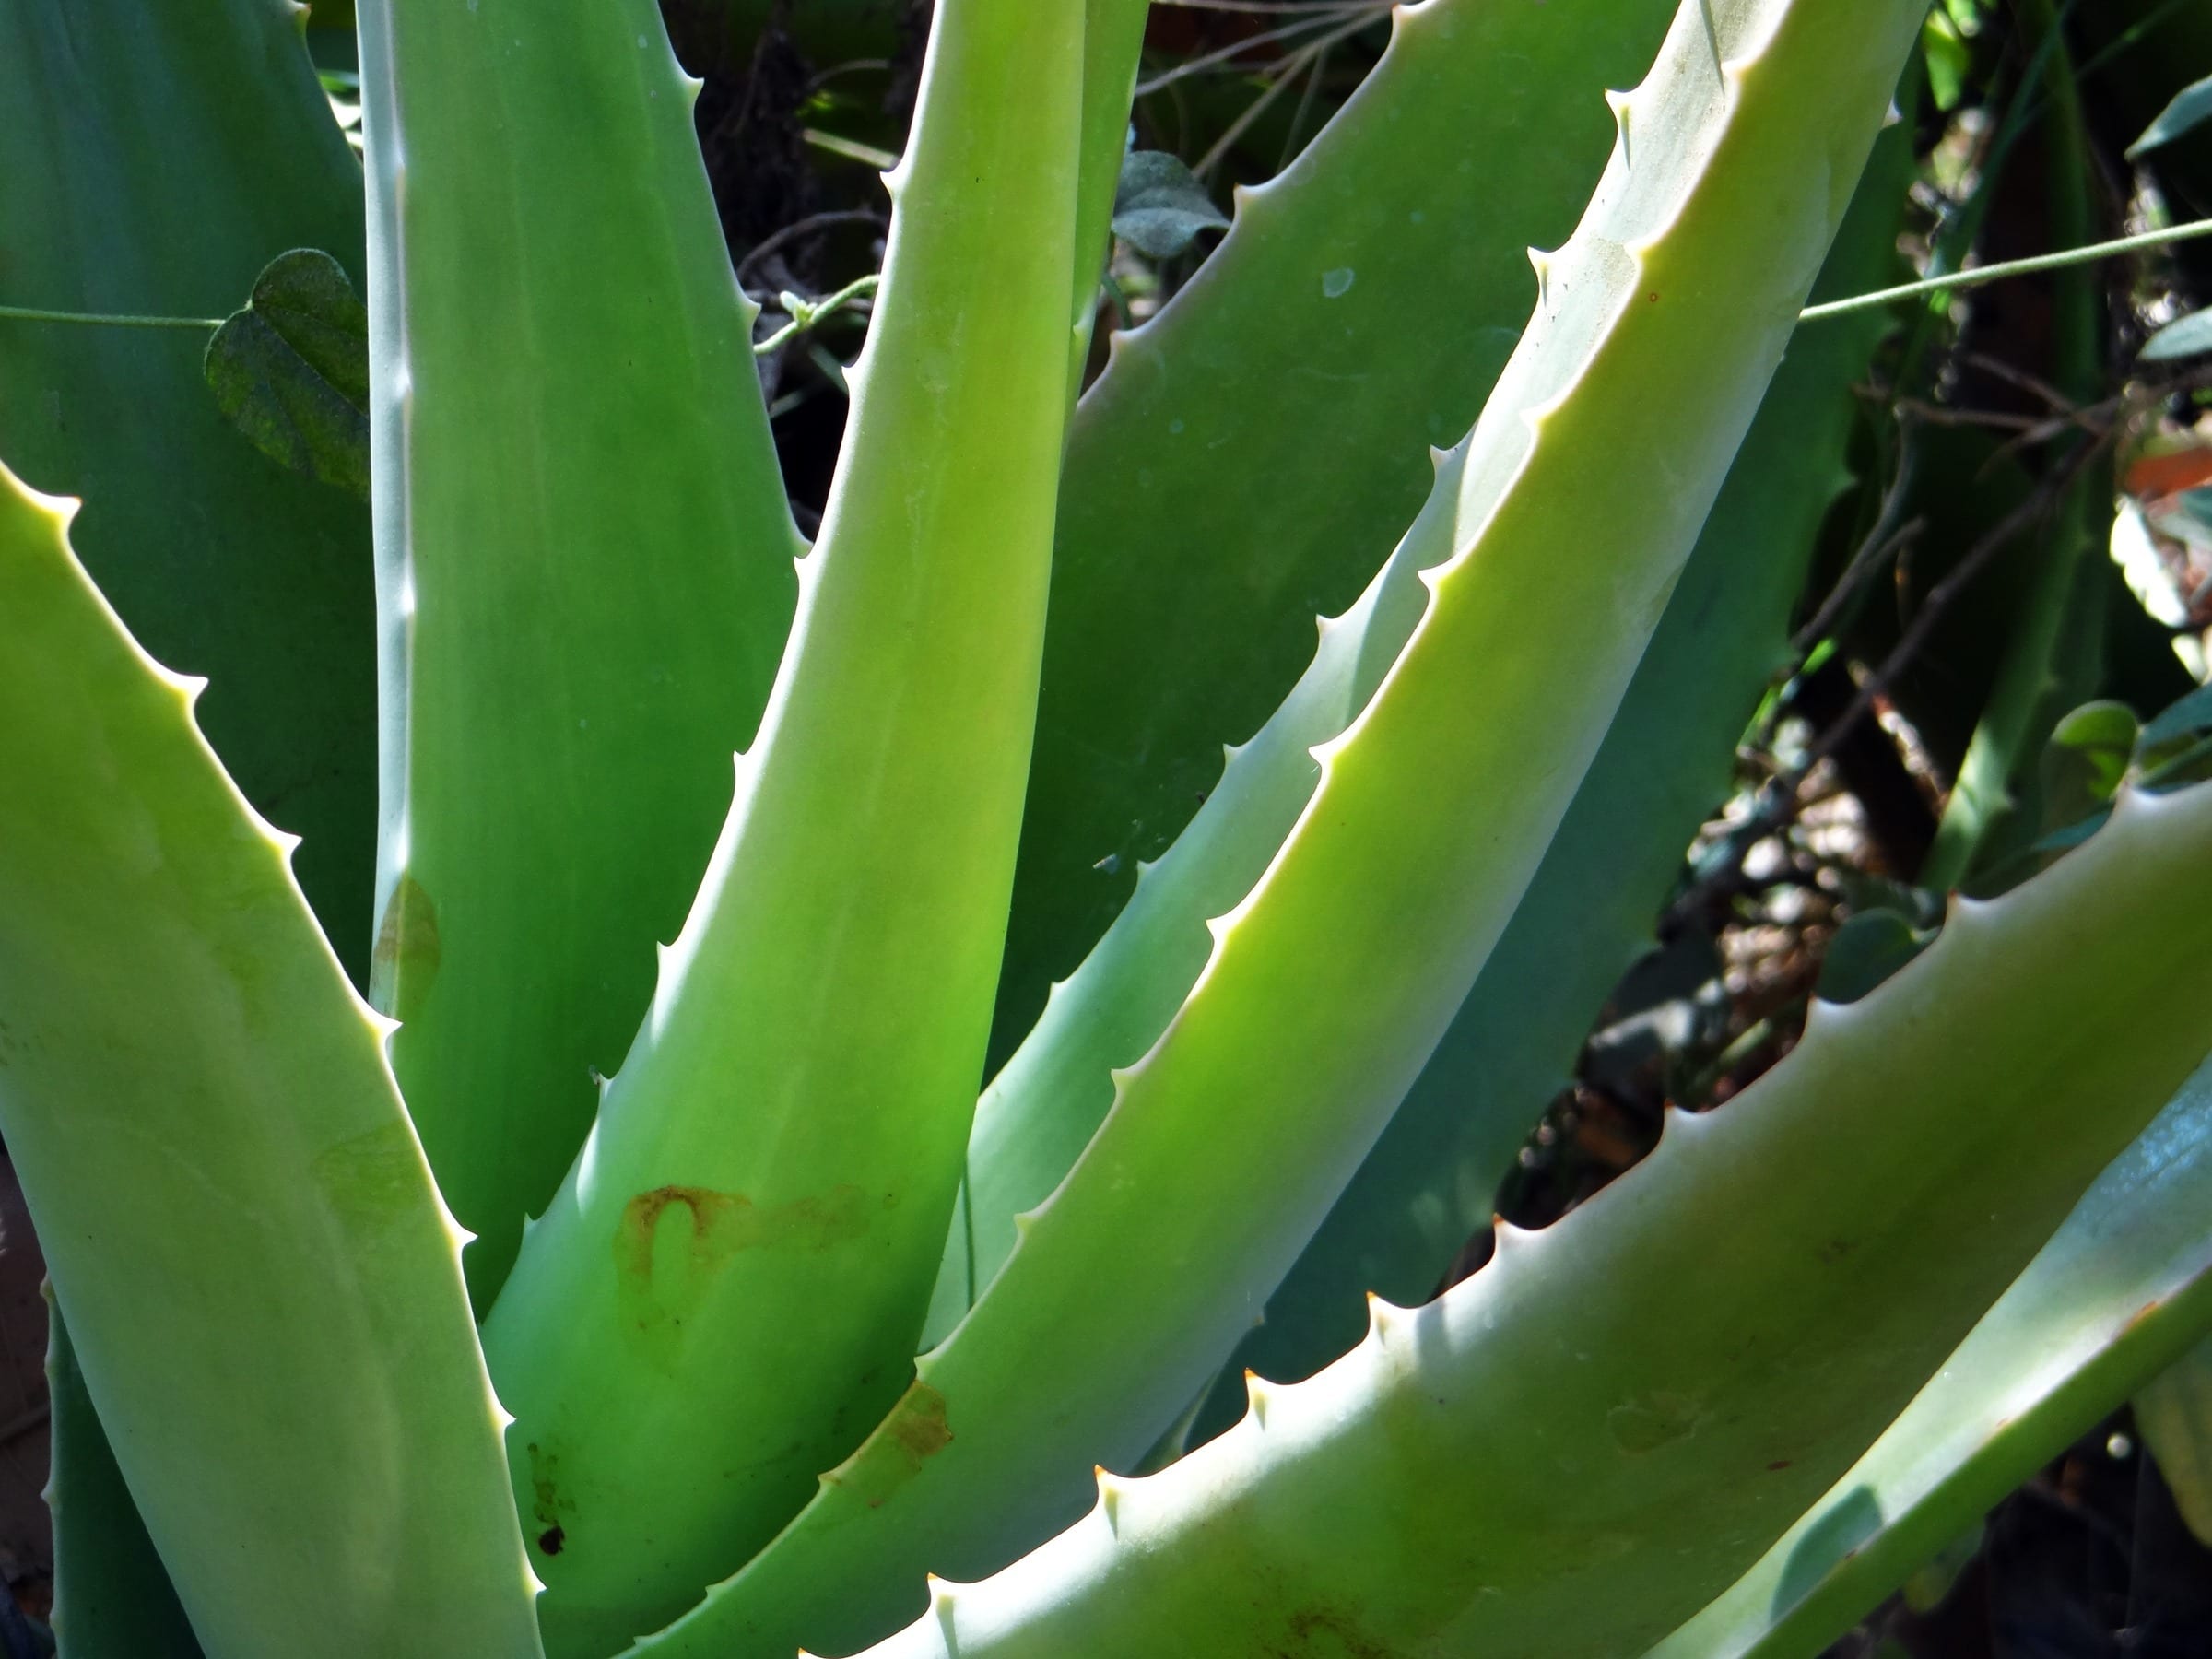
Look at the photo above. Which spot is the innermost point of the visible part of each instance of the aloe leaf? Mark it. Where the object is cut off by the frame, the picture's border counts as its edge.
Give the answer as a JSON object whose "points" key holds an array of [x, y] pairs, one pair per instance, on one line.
{"points": [[291, 369], [775, 1163], [1727, 635], [1431, 1181], [112, 1597], [1042, 1109], [1113, 41], [1185, 588], [2121, 1290], [1569, 1451], [1330, 982], [157, 160], [1159, 646], [2173, 1413], [263, 1288], [583, 561]]}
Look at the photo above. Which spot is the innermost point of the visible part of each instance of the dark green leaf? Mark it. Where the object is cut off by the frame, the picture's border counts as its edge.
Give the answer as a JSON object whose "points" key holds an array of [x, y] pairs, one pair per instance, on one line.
{"points": [[1160, 206], [1866, 950], [2191, 105], [292, 370]]}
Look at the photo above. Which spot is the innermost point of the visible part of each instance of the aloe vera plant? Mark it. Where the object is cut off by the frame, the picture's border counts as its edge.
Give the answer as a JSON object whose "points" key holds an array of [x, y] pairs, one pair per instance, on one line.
{"points": [[644, 1246]]}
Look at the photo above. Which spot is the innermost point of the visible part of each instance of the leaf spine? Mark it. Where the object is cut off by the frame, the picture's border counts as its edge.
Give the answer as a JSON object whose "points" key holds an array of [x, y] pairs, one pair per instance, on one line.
{"points": [[1381, 1317], [1622, 104], [940, 1604], [1257, 1398], [1109, 1498]]}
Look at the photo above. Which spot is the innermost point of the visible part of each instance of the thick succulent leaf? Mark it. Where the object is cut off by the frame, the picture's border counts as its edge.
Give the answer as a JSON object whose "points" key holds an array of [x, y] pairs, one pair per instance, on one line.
{"points": [[1431, 1181], [1113, 41], [1248, 459], [2173, 1413], [111, 1596], [263, 1290], [1328, 985], [1159, 646], [158, 158], [1569, 1451], [775, 1164], [2122, 1289], [1046, 1102], [583, 561]]}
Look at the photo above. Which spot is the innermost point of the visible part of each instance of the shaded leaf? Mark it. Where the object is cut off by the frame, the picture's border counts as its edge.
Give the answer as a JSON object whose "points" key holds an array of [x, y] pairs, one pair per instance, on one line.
{"points": [[2174, 1414], [292, 370], [2182, 721], [2119, 1293], [1160, 206], [1866, 950], [2191, 106], [2184, 336]]}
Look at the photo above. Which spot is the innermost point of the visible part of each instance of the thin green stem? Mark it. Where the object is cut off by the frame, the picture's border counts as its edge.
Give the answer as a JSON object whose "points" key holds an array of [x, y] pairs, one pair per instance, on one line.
{"points": [[2011, 267], [25, 314], [805, 314], [882, 160]]}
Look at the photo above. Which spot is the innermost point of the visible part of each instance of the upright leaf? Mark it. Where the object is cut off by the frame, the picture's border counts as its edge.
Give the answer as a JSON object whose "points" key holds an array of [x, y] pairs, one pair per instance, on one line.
{"points": [[156, 155], [263, 1289], [583, 561], [1332, 979], [1431, 1181], [1250, 457], [727, 1290]]}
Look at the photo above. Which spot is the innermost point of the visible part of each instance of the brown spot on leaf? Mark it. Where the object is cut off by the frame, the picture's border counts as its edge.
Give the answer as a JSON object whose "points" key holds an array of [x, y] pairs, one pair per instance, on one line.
{"points": [[551, 1539], [914, 1430], [671, 1243], [719, 1225], [374, 1181], [918, 1424], [546, 1503], [408, 951]]}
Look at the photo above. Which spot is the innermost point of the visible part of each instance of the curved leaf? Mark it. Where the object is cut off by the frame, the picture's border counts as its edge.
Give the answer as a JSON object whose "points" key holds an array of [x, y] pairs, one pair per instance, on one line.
{"points": [[263, 1289], [1569, 1451]]}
